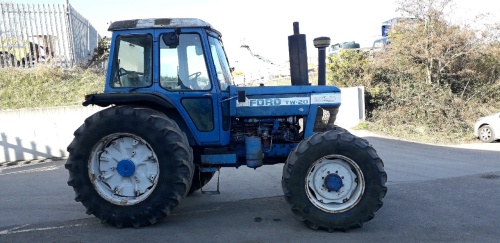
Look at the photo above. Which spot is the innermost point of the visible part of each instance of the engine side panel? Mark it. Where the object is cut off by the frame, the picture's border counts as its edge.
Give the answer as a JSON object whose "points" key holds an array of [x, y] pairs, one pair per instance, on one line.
{"points": [[281, 100]]}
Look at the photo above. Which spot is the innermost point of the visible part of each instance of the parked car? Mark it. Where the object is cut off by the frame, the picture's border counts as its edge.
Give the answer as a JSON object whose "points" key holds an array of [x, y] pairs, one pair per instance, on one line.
{"points": [[19, 52], [487, 128]]}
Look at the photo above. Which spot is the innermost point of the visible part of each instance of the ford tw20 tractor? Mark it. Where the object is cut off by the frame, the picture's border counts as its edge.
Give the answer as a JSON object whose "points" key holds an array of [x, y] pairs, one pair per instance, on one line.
{"points": [[172, 119]]}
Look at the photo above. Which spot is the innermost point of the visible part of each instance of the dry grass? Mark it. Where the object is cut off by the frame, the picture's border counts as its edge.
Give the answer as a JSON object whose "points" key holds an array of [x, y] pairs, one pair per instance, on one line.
{"points": [[45, 86]]}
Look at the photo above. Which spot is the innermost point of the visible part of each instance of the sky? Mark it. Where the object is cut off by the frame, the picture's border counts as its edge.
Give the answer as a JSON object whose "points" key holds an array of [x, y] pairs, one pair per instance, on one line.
{"points": [[264, 25]]}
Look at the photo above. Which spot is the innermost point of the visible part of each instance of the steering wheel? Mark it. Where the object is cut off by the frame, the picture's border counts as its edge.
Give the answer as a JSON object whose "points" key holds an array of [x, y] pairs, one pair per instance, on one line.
{"points": [[119, 74], [193, 80], [123, 71], [133, 77]]}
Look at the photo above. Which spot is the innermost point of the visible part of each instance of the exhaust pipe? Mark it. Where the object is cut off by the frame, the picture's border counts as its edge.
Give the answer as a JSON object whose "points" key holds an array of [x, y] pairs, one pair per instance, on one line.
{"points": [[297, 50], [322, 43]]}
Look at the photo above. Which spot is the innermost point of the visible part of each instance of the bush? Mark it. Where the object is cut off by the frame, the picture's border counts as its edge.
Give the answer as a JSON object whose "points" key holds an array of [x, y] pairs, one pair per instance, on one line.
{"points": [[400, 101], [413, 109]]}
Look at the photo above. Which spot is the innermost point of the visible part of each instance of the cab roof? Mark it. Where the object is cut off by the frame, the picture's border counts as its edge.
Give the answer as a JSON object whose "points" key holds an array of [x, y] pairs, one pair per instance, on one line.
{"points": [[159, 23]]}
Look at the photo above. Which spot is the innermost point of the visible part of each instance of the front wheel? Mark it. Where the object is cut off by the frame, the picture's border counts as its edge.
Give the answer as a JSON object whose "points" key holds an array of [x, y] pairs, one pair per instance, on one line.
{"points": [[334, 181], [486, 134], [129, 166]]}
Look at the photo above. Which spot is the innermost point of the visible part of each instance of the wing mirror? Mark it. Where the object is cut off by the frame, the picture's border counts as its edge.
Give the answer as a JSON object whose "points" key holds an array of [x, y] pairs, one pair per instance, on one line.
{"points": [[171, 39], [198, 50]]}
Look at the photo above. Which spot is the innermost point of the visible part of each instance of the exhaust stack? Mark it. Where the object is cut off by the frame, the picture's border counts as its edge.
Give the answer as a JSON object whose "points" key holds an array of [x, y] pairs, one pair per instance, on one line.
{"points": [[297, 50]]}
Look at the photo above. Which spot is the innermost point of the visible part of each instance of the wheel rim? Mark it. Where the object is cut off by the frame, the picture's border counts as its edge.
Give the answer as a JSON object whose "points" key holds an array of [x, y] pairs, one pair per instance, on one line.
{"points": [[334, 184], [485, 133], [123, 169]]}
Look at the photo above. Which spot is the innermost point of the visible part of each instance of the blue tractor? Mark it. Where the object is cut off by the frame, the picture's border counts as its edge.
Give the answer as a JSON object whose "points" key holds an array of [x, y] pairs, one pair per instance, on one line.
{"points": [[172, 118]]}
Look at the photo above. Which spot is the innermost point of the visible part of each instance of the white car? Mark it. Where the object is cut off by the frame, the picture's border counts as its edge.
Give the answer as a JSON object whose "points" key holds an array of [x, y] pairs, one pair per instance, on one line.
{"points": [[487, 128]]}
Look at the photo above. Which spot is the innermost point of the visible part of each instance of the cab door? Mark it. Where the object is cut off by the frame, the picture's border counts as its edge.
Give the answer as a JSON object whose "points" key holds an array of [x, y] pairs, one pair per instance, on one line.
{"points": [[222, 80], [185, 78]]}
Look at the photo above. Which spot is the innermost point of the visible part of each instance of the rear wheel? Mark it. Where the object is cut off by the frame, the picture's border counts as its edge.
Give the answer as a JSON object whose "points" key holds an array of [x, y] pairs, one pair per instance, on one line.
{"points": [[486, 134], [334, 181], [129, 166]]}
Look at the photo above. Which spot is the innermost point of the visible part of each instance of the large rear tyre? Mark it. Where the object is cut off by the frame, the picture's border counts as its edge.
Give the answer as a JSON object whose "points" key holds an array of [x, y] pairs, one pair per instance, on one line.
{"points": [[129, 166], [334, 181]]}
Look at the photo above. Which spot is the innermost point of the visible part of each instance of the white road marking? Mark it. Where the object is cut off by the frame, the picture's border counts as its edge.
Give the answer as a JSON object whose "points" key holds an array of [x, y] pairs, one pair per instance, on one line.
{"points": [[47, 168], [16, 230]]}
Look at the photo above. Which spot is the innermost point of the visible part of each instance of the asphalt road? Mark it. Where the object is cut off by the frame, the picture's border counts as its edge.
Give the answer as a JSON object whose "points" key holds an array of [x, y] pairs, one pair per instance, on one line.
{"points": [[435, 193]]}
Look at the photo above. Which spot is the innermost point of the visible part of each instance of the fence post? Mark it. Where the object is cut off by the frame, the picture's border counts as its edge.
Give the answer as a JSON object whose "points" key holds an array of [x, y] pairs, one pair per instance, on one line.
{"points": [[4, 55], [70, 33]]}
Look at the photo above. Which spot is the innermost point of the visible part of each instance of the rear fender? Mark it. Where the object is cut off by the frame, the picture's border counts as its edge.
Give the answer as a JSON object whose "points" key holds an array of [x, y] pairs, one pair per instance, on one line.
{"points": [[152, 101]]}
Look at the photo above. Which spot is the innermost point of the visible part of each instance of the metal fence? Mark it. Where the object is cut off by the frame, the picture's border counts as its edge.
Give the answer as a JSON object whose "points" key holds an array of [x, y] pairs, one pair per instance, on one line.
{"points": [[56, 34]]}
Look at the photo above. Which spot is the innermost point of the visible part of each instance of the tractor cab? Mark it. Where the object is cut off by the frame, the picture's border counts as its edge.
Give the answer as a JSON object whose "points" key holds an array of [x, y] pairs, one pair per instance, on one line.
{"points": [[179, 60]]}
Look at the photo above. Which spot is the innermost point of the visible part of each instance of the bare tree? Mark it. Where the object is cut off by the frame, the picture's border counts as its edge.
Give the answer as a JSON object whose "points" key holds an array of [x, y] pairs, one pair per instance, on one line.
{"points": [[432, 42]]}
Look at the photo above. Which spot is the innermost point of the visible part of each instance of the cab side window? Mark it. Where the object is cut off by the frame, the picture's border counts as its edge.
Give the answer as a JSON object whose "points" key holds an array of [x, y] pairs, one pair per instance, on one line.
{"points": [[133, 61]]}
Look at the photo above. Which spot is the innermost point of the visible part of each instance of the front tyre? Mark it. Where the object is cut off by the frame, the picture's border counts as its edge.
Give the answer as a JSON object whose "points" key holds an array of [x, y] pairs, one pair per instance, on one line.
{"points": [[486, 134], [129, 166], [334, 181]]}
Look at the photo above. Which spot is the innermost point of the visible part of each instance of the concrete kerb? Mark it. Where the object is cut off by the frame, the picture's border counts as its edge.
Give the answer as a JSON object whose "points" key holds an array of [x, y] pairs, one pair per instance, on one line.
{"points": [[31, 162], [41, 133]]}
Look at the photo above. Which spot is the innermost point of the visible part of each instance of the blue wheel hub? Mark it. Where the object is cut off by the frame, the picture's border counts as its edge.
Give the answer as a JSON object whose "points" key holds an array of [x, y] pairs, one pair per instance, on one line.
{"points": [[125, 168], [333, 182]]}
